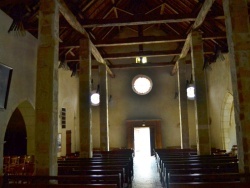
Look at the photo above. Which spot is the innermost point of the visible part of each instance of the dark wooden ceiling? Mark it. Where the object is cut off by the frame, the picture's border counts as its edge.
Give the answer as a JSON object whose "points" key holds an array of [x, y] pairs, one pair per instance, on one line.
{"points": [[124, 29]]}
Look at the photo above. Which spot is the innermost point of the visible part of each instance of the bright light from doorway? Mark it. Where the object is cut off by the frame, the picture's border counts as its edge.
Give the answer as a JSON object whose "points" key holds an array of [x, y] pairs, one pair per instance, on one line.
{"points": [[142, 141]]}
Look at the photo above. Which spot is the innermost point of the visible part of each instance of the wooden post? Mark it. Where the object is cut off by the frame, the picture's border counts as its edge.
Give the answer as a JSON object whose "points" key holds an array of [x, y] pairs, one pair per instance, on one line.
{"points": [[201, 106], [104, 118], [85, 112], [46, 129], [182, 85]]}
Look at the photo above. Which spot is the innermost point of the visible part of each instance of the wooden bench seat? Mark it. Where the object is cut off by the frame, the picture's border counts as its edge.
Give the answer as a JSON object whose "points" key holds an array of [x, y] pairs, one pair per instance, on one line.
{"points": [[224, 166], [65, 170], [62, 186], [196, 164], [160, 159], [63, 180], [194, 157], [90, 171], [210, 185], [201, 160], [207, 178]]}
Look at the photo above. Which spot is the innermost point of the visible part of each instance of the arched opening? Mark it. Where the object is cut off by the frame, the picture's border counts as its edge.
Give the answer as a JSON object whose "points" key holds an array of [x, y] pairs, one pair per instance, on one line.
{"points": [[20, 131], [228, 123], [15, 135]]}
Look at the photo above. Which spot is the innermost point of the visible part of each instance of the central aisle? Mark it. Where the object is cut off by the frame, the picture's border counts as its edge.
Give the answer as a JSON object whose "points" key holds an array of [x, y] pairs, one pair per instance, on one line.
{"points": [[145, 172]]}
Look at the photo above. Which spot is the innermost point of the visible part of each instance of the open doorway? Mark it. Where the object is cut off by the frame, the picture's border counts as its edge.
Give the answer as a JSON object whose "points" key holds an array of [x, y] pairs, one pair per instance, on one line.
{"points": [[15, 136], [154, 126], [142, 141]]}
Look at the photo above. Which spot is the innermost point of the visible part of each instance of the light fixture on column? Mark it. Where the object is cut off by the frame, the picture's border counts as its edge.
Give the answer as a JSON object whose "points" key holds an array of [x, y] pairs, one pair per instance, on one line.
{"points": [[95, 97], [190, 89], [141, 60]]}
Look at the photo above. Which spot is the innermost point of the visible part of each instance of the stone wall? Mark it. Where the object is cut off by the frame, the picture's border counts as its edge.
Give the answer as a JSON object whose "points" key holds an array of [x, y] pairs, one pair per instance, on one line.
{"points": [[20, 53], [221, 105]]}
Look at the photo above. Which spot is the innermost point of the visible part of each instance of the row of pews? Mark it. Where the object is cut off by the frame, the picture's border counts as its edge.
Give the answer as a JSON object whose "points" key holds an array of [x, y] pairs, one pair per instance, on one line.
{"points": [[106, 169], [183, 168]]}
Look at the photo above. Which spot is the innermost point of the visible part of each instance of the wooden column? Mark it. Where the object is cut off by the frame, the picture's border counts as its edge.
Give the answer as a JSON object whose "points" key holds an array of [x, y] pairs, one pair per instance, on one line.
{"points": [[46, 130], [85, 112], [238, 38], [201, 106], [104, 118], [182, 86]]}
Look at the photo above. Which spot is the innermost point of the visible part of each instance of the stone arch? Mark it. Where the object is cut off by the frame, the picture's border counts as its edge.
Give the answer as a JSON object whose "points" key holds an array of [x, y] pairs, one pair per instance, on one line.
{"points": [[228, 131], [28, 113]]}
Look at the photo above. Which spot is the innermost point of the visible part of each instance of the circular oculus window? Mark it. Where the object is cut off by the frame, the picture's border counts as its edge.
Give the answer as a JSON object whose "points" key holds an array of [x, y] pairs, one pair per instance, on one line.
{"points": [[142, 84]]}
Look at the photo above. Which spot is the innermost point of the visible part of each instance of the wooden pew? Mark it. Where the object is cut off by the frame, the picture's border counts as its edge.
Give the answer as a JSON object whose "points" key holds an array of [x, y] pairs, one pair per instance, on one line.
{"points": [[215, 159], [210, 185], [209, 166], [238, 180], [196, 158], [12, 180], [101, 160], [62, 186], [192, 157], [196, 164], [230, 163], [69, 168], [189, 166], [96, 171], [115, 151], [165, 155]]}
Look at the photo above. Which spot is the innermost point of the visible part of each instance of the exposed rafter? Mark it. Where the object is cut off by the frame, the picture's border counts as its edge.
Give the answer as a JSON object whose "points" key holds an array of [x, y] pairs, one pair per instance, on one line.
{"points": [[164, 53], [76, 25], [146, 40], [152, 40], [198, 21], [144, 53], [142, 20], [113, 27], [129, 55]]}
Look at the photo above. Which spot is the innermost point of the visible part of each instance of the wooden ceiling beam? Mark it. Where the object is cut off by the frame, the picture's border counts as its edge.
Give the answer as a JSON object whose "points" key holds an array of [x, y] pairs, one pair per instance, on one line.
{"points": [[146, 40], [135, 65], [141, 20], [144, 53], [147, 54], [146, 65], [68, 15], [198, 22], [152, 40]]}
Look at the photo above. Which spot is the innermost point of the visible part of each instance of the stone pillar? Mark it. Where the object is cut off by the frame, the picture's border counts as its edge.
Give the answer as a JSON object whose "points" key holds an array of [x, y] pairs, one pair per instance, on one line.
{"points": [[201, 106], [238, 38], [46, 130], [104, 118], [85, 112], [182, 88]]}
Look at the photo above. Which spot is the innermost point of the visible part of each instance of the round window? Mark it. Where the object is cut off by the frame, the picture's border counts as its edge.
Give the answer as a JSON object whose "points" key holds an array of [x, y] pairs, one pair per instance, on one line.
{"points": [[142, 84]]}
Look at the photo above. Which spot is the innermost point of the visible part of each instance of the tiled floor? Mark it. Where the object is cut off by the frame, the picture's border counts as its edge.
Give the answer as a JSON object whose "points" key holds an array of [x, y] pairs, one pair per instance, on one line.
{"points": [[145, 173]]}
